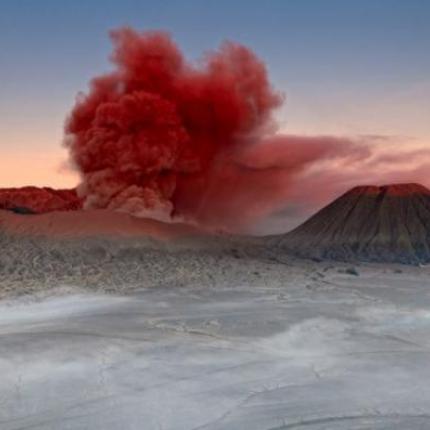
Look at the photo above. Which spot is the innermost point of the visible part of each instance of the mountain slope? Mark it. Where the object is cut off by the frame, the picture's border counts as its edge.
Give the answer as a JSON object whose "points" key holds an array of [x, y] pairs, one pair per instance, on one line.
{"points": [[38, 200], [388, 223]]}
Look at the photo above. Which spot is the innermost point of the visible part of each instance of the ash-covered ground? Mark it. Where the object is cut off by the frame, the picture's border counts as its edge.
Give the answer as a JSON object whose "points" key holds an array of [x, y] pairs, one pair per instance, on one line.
{"points": [[109, 334], [30, 265]]}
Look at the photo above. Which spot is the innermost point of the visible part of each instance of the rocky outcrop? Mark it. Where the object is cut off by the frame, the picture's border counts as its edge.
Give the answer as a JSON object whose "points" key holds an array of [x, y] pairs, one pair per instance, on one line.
{"points": [[30, 200]]}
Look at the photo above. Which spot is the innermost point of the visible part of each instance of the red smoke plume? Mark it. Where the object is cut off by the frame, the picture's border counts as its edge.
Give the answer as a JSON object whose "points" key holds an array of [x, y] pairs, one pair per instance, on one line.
{"points": [[147, 137], [160, 137]]}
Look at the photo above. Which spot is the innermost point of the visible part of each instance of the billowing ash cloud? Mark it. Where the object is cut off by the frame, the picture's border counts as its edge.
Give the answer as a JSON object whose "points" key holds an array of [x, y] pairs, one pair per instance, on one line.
{"points": [[161, 137], [147, 137]]}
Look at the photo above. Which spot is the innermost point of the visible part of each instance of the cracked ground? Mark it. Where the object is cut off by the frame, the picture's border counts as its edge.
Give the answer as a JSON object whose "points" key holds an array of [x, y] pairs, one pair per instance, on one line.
{"points": [[320, 350]]}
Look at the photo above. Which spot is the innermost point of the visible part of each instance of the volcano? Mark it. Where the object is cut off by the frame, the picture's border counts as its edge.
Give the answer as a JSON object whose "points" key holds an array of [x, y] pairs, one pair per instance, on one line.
{"points": [[389, 223]]}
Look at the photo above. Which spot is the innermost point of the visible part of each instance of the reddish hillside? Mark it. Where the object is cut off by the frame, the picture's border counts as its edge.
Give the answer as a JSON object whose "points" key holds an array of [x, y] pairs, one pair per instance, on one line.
{"points": [[91, 224], [38, 200], [388, 223]]}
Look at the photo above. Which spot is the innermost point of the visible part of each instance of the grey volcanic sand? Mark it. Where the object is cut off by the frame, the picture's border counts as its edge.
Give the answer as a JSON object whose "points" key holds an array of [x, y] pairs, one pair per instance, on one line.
{"points": [[115, 252], [204, 333], [307, 347]]}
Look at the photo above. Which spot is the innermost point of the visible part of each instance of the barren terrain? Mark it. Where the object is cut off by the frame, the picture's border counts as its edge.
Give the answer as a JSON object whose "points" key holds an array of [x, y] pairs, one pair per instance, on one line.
{"points": [[205, 333]]}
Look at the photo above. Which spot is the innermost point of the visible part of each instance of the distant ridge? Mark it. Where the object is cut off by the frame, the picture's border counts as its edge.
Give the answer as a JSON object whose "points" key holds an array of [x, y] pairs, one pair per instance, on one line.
{"points": [[389, 223], [31, 200]]}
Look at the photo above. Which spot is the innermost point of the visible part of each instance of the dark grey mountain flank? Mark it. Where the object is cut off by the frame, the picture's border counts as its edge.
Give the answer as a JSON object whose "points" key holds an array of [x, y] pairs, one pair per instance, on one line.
{"points": [[388, 223]]}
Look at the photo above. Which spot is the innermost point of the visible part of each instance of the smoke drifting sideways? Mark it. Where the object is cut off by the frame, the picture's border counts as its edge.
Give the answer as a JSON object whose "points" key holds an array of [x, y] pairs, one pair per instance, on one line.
{"points": [[164, 138]]}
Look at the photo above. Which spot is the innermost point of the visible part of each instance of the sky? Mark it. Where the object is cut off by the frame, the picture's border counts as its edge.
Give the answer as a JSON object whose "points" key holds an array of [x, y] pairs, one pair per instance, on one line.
{"points": [[350, 68]]}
